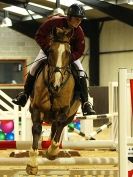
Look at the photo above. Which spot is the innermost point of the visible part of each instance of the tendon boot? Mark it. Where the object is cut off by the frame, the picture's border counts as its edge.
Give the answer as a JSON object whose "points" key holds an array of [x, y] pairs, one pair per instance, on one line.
{"points": [[22, 97], [86, 105]]}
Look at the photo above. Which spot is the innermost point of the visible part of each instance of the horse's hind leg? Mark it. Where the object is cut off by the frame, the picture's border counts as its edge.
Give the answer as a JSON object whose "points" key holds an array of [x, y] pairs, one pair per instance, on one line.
{"points": [[53, 130], [58, 126], [56, 131], [32, 166]]}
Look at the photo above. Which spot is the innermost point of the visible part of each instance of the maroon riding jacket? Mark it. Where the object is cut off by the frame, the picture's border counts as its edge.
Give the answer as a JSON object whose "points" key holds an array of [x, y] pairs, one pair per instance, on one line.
{"points": [[77, 41]]}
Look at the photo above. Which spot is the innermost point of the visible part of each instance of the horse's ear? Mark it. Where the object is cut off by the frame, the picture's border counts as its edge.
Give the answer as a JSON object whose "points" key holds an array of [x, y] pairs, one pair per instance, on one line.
{"points": [[67, 30], [59, 30], [56, 31]]}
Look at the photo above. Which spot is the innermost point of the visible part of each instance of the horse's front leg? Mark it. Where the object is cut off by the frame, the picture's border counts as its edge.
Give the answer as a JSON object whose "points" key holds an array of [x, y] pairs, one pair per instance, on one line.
{"points": [[32, 166], [56, 131], [36, 133]]}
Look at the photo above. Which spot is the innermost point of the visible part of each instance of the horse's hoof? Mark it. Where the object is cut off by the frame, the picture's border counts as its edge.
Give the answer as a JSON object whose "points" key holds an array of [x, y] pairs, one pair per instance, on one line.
{"points": [[50, 157], [31, 170]]}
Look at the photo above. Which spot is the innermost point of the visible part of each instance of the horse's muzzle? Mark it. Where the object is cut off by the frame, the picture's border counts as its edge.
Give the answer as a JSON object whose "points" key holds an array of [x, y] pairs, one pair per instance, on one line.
{"points": [[53, 88]]}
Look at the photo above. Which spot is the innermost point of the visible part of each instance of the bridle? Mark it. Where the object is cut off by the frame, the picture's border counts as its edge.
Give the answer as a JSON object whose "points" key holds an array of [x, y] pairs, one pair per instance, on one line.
{"points": [[63, 70]]}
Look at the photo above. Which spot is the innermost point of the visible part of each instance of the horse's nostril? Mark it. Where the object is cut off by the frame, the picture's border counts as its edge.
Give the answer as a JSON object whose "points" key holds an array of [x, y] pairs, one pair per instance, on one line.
{"points": [[51, 85], [56, 88]]}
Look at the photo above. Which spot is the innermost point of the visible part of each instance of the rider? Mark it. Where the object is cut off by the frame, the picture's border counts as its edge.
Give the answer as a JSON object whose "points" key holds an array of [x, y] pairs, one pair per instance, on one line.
{"points": [[75, 14]]}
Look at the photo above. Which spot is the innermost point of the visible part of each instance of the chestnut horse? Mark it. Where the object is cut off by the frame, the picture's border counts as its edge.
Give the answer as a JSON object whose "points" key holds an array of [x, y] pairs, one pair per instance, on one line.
{"points": [[53, 100]]}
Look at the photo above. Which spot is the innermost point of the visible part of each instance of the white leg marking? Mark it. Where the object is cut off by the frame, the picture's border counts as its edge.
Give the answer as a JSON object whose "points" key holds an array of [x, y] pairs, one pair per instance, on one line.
{"points": [[61, 49]]}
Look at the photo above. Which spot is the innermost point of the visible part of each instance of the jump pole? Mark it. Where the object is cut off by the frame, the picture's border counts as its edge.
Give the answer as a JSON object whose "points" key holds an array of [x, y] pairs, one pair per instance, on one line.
{"points": [[100, 116], [26, 145], [87, 121], [92, 134], [62, 161]]}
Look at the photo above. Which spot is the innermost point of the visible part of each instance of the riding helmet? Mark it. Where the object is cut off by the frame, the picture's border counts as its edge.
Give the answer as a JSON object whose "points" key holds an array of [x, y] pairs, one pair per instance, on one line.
{"points": [[76, 10]]}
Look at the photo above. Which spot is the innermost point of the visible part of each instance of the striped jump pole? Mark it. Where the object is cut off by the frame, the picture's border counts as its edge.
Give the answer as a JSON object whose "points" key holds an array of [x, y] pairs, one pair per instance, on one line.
{"points": [[62, 161], [72, 173], [100, 129], [94, 133], [100, 116], [87, 123], [95, 172], [26, 145]]}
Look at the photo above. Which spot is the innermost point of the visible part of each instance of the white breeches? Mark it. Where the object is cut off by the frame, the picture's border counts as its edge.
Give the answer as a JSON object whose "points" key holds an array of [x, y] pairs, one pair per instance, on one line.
{"points": [[41, 56], [37, 62]]}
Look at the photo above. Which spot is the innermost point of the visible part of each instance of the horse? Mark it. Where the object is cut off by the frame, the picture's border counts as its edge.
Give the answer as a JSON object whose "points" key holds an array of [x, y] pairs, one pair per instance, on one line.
{"points": [[53, 99]]}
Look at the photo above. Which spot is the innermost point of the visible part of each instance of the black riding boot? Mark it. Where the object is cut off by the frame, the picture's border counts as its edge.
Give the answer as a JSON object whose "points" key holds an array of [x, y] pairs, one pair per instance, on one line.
{"points": [[86, 105], [22, 97]]}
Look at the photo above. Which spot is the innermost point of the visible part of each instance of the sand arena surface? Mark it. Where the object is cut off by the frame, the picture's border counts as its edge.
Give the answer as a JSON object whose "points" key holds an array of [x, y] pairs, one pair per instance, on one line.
{"points": [[63, 170]]}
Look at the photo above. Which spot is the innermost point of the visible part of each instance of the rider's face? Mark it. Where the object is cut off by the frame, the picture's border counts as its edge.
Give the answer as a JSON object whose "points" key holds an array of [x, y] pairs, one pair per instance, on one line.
{"points": [[74, 21]]}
